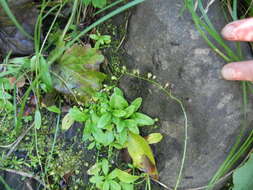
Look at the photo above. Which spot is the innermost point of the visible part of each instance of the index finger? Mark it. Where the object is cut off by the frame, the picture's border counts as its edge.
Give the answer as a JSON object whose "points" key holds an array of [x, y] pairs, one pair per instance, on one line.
{"points": [[241, 30]]}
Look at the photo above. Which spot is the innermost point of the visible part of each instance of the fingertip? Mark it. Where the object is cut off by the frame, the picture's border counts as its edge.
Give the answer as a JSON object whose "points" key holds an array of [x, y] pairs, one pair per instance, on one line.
{"points": [[242, 71], [228, 73], [228, 32], [241, 30]]}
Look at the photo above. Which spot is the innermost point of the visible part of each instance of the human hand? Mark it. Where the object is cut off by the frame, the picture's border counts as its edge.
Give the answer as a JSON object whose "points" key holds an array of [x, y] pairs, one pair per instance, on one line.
{"points": [[241, 30]]}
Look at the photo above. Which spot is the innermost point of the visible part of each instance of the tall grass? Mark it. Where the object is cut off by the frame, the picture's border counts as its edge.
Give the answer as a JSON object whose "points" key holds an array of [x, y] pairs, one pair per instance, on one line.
{"points": [[214, 40]]}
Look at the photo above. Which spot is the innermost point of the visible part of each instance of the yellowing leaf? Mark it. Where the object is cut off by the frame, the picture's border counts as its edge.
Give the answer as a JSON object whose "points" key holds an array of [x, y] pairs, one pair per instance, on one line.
{"points": [[67, 122], [141, 154], [154, 138]]}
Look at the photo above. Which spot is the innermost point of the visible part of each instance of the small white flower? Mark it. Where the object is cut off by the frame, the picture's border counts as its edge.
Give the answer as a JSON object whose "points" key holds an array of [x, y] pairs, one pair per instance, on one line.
{"points": [[166, 85], [149, 75], [114, 78]]}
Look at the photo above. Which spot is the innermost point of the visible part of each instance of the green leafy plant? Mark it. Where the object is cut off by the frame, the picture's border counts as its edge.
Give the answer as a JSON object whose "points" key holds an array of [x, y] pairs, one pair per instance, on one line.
{"points": [[100, 39], [114, 180], [109, 119], [77, 72]]}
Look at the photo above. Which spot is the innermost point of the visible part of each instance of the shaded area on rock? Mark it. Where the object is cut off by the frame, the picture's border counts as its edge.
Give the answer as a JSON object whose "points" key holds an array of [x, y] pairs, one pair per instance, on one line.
{"points": [[11, 39]]}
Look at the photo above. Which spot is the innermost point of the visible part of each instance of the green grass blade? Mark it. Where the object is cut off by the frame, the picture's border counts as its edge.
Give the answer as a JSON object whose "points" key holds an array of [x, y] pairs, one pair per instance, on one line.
{"points": [[6, 186]]}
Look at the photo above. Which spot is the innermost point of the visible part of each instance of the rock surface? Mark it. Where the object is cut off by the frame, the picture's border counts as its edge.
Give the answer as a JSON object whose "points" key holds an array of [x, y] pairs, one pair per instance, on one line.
{"points": [[11, 39], [162, 42]]}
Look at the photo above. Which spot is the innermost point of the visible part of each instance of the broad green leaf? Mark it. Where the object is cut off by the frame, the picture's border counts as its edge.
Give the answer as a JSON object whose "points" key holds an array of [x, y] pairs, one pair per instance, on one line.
{"points": [[5, 84], [109, 138], [117, 91], [119, 123], [112, 175], [97, 179], [154, 138], [127, 186], [77, 72], [37, 119], [142, 119], [78, 115], [45, 74], [132, 126], [104, 138], [104, 120], [114, 185], [119, 113], [6, 105], [94, 118], [124, 176], [87, 130], [137, 103], [129, 111], [106, 185], [122, 137], [86, 2], [105, 166], [98, 3], [94, 170], [242, 177], [141, 154], [67, 122], [54, 109], [118, 102]]}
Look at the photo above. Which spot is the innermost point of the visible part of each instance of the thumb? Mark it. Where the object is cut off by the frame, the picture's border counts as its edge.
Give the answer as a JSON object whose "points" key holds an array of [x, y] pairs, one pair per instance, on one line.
{"points": [[238, 71]]}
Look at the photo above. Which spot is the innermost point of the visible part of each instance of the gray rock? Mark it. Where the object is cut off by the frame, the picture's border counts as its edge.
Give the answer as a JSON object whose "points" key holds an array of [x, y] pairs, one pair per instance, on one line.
{"points": [[162, 42], [11, 39]]}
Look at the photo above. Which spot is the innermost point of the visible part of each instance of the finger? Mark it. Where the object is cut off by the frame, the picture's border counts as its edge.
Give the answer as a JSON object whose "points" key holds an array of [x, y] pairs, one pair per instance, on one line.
{"points": [[241, 30], [238, 71]]}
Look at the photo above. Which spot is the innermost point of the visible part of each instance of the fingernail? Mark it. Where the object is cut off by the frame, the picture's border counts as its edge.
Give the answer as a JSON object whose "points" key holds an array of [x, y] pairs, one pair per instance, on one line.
{"points": [[228, 73], [228, 32]]}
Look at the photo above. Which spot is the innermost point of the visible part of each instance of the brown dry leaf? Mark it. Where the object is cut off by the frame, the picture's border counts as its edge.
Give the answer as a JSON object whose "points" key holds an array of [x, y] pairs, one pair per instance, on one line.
{"points": [[19, 83]]}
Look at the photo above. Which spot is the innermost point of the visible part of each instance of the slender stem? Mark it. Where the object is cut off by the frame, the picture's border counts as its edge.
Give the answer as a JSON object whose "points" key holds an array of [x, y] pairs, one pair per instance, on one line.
{"points": [[169, 94]]}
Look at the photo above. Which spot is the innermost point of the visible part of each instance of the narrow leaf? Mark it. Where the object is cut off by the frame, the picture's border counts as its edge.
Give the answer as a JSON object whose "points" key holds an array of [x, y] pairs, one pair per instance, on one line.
{"points": [[54, 109], [142, 119], [37, 119], [67, 122]]}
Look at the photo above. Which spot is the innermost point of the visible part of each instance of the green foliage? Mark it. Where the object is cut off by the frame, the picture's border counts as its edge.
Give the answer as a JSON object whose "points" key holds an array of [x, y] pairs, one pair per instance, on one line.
{"points": [[114, 180], [100, 39], [108, 119], [37, 119], [54, 109], [77, 72], [242, 177], [95, 3]]}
